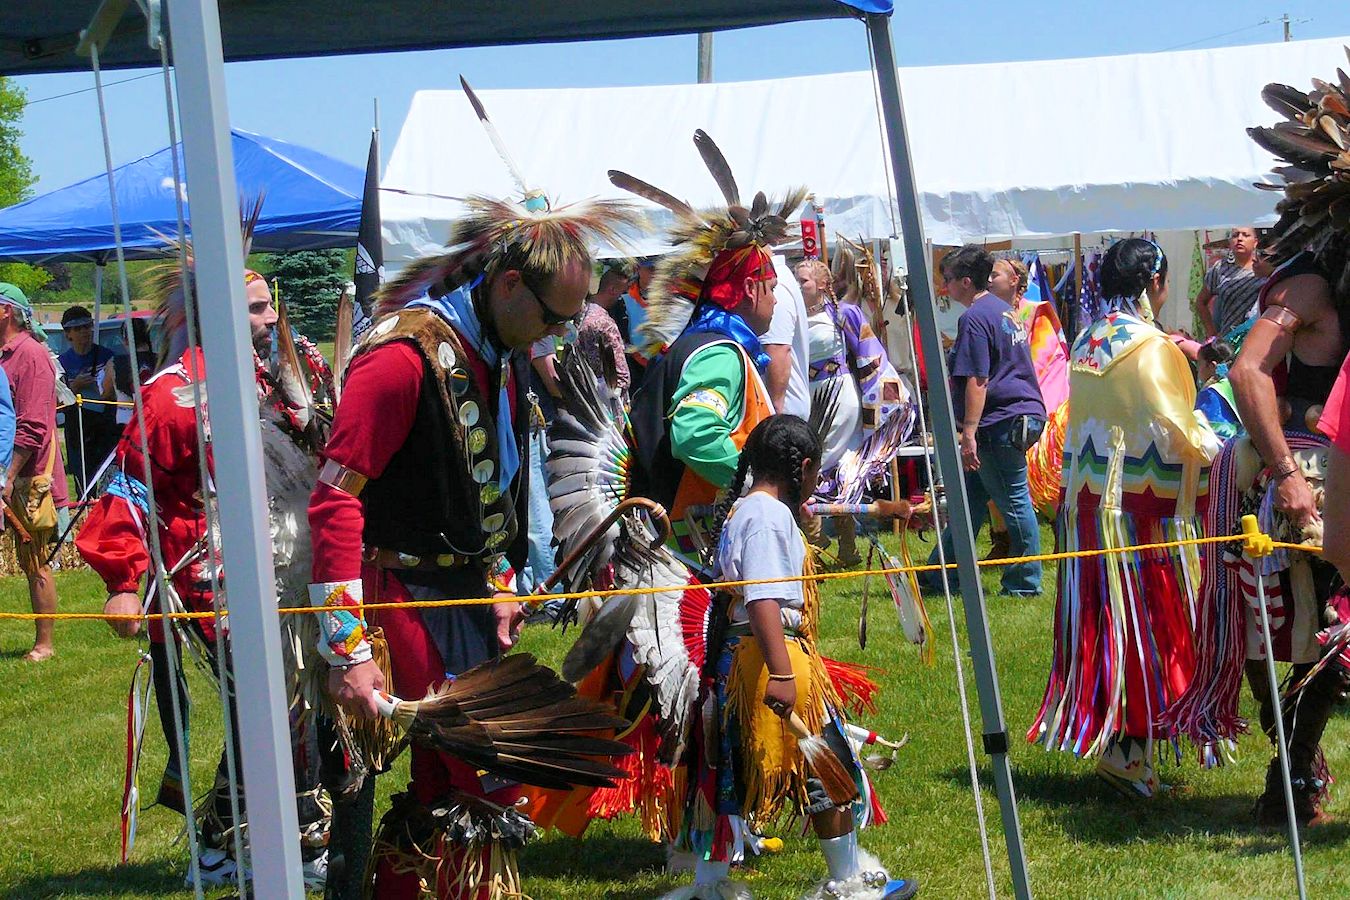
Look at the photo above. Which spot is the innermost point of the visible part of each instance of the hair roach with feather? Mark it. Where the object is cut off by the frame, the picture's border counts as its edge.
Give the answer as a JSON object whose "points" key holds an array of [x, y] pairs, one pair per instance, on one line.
{"points": [[165, 285], [699, 235], [529, 235]]}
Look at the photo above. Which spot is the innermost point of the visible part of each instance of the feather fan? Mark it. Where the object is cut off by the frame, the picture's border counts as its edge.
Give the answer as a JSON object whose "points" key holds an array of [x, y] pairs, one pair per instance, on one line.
{"points": [[517, 719]]}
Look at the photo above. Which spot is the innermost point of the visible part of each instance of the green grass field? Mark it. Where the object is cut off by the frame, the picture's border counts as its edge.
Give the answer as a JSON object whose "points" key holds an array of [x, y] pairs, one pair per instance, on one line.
{"points": [[61, 749]]}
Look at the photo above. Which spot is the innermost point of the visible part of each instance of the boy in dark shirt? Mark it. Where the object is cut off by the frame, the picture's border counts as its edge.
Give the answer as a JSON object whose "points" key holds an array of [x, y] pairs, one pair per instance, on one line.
{"points": [[999, 411]]}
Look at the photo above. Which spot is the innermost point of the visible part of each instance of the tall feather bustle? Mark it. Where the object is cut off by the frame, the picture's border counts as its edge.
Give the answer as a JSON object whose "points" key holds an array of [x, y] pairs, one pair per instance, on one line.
{"points": [[529, 230], [1314, 140], [700, 234], [587, 467]]}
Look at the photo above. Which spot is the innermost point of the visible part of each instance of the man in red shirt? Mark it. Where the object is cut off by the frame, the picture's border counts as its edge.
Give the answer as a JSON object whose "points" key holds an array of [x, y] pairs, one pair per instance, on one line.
{"points": [[423, 496], [116, 543], [36, 467]]}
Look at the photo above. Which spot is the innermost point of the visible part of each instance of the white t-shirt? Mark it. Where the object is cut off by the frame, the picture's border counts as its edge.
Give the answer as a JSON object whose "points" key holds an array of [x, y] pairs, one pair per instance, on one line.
{"points": [[790, 327], [761, 540]]}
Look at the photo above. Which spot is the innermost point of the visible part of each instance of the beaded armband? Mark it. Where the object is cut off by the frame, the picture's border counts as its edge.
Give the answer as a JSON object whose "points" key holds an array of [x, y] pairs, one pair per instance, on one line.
{"points": [[342, 629], [501, 577]]}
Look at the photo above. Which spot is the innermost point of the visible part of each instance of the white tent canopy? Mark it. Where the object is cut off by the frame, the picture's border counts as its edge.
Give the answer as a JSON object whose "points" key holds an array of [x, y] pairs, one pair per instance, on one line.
{"points": [[1027, 149]]}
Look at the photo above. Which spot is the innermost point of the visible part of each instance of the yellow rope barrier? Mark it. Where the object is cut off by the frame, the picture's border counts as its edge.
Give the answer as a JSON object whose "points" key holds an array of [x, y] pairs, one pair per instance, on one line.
{"points": [[614, 592], [81, 400]]}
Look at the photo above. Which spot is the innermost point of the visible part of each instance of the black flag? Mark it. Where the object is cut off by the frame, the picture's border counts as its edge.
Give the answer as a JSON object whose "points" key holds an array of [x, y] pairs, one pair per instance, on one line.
{"points": [[369, 245]]}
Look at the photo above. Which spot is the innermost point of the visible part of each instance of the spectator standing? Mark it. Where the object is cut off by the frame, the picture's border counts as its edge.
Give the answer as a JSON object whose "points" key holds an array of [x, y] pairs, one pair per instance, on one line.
{"points": [[144, 356], [545, 390], [91, 429], [999, 412], [36, 481], [635, 314], [788, 343], [598, 336], [1229, 297]]}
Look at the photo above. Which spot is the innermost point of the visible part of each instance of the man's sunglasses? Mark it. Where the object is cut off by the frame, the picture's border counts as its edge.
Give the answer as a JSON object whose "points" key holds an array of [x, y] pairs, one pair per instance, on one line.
{"points": [[550, 317]]}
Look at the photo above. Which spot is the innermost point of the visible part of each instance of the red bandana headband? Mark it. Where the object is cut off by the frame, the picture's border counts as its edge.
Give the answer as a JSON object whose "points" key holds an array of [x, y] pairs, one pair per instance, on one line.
{"points": [[725, 282]]}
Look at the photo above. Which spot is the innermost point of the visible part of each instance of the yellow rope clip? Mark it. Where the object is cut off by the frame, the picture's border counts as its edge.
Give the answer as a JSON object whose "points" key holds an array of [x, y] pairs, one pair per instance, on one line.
{"points": [[1255, 543]]}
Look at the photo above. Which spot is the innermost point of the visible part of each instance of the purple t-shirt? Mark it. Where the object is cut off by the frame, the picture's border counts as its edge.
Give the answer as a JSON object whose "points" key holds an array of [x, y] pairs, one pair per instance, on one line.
{"points": [[991, 344]]}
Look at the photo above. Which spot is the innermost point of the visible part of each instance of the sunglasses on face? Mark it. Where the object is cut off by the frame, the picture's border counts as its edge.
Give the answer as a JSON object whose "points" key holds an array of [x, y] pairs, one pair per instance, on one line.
{"points": [[551, 318]]}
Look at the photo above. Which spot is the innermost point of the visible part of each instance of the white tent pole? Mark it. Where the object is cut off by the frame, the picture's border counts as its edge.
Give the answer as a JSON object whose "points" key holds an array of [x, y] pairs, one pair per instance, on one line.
{"points": [[255, 633], [943, 425]]}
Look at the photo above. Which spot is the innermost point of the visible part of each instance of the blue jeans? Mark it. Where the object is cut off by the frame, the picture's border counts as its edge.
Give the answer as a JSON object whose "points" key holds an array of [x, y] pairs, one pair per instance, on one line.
{"points": [[540, 562], [1002, 477]]}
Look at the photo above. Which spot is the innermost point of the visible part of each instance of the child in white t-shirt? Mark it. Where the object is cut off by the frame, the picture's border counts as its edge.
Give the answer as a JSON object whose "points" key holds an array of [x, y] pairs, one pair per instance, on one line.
{"points": [[767, 669]]}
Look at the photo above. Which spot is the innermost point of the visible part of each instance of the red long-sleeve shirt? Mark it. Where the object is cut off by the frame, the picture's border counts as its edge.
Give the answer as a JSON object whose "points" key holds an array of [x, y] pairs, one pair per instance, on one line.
{"points": [[379, 403], [114, 540]]}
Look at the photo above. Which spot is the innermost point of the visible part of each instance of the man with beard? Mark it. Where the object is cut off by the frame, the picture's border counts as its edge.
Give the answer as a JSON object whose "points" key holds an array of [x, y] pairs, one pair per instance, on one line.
{"points": [[115, 542]]}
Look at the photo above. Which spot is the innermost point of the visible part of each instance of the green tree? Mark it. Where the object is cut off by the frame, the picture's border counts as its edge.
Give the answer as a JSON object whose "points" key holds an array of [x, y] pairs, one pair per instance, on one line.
{"points": [[310, 282], [16, 178]]}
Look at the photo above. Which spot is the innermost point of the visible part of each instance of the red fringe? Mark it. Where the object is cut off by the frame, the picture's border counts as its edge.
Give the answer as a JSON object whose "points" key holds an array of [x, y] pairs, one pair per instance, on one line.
{"points": [[695, 608], [647, 782], [852, 684], [879, 816]]}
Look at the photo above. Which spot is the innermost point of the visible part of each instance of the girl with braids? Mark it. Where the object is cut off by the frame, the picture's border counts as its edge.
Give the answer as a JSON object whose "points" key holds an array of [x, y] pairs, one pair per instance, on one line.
{"points": [[746, 768], [1136, 459]]}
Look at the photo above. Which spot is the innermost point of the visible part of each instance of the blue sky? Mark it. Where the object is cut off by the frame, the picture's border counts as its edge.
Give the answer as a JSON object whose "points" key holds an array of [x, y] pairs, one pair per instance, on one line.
{"points": [[327, 103]]}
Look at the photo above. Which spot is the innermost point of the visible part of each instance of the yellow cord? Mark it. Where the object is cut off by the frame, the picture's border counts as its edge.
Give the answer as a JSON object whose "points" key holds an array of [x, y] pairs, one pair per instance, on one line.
{"points": [[1262, 541]]}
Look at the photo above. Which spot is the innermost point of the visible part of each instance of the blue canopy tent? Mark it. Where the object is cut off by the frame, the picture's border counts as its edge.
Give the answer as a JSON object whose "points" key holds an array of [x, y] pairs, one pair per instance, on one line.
{"points": [[311, 202], [205, 34]]}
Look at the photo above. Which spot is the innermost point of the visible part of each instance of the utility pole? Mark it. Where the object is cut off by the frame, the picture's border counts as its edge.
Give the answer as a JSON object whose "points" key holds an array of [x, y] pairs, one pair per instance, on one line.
{"points": [[1285, 19], [705, 57]]}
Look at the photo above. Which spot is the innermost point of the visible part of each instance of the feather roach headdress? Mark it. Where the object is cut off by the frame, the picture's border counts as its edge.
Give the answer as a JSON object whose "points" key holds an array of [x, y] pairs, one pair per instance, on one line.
{"points": [[1314, 141], [702, 236], [493, 235]]}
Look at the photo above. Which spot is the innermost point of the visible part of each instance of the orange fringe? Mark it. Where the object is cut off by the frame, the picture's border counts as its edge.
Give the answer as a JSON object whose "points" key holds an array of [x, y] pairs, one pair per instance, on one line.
{"points": [[1045, 460]]}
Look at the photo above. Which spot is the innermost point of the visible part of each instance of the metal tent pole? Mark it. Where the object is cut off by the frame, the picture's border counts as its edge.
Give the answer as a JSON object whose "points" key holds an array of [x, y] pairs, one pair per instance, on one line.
{"points": [[255, 633], [944, 433]]}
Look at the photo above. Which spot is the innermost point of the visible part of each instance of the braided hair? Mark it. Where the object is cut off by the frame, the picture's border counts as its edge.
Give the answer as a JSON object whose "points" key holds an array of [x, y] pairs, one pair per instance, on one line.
{"points": [[773, 452]]}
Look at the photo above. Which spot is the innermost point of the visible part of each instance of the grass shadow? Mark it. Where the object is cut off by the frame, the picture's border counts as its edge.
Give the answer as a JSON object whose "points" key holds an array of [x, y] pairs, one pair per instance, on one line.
{"points": [[624, 856], [1086, 808], [151, 878]]}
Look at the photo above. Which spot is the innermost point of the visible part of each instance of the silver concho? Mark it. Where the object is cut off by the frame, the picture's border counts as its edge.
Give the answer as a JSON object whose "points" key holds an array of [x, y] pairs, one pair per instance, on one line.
{"points": [[445, 354], [494, 522], [384, 327], [468, 411], [483, 471]]}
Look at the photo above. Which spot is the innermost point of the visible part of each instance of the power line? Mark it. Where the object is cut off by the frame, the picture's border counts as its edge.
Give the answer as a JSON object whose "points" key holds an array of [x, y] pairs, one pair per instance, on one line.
{"points": [[88, 89], [1213, 37]]}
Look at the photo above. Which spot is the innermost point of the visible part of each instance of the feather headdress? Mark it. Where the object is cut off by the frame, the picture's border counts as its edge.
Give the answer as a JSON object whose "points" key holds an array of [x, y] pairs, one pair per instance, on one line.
{"points": [[1314, 141], [528, 233], [700, 235]]}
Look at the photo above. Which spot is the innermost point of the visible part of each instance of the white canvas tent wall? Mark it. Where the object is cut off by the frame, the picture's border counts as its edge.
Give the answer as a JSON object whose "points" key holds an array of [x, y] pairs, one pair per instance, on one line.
{"points": [[1000, 150]]}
